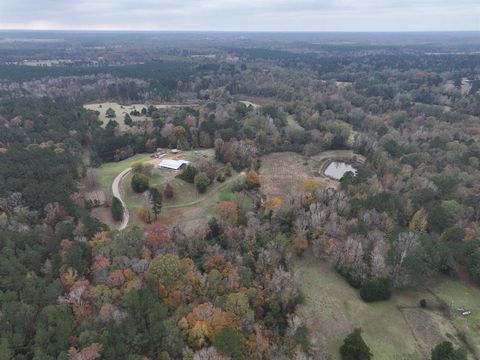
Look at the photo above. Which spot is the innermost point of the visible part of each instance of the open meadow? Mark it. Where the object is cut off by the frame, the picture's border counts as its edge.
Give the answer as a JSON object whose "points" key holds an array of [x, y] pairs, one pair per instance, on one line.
{"points": [[395, 329], [121, 110]]}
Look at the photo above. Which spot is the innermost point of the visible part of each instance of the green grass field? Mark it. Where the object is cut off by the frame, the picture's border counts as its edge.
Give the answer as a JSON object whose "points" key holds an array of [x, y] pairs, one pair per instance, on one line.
{"points": [[107, 172], [457, 295], [333, 309], [394, 329]]}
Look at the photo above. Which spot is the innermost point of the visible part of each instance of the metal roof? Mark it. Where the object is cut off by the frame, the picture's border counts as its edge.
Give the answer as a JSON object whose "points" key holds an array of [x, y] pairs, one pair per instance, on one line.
{"points": [[172, 164]]}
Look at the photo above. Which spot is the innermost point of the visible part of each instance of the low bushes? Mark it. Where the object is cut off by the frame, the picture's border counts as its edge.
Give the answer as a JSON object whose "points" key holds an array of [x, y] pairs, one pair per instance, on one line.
{"points": [[376, 290], [117, 209], [140, 183]]}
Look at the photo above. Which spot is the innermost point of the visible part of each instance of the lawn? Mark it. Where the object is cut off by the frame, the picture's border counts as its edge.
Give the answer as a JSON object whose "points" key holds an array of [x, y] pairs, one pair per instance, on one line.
{"points": [[188, 206], [333, 309], [109, 171], [394, 329], [457, 295]]}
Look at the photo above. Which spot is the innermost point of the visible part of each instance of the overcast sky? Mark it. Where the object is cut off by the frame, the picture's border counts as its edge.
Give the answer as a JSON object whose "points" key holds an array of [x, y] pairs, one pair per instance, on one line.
{"points": [[242, 15]]}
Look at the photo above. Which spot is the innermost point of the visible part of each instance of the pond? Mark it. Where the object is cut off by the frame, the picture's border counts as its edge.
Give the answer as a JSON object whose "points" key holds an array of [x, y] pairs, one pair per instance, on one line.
{"points": [[337, 169]]}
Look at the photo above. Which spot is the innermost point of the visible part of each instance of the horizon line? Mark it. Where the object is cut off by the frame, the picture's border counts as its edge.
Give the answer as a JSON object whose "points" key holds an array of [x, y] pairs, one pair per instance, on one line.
{"points": [[243, 31]]}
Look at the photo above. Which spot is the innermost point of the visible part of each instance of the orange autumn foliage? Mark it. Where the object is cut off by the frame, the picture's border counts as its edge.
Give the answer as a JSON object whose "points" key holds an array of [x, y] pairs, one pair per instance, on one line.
{"points": [[99, 239], [273, 204], [91, 352], [228, 211], [158, 235], [300, 243], [253, 178], [116, 278], [144, 214], [205, 321], [259, 344], [100, 262], [216, 261]]}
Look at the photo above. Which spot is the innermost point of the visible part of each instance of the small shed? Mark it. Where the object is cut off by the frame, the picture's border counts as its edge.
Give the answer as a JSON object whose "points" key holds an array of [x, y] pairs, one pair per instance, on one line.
{"points": [[173, 164]]}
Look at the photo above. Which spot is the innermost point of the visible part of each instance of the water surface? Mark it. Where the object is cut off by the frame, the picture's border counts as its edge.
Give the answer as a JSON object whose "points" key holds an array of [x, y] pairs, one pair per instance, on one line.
{"points": [[337, 169]]}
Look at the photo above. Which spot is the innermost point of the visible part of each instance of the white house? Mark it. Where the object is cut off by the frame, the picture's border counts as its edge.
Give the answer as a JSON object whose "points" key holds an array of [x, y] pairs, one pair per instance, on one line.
{"points": [[173, 164]]}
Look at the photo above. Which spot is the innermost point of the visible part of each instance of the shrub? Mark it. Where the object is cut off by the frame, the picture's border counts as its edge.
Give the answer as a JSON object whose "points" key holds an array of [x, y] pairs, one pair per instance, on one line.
{"points": [[301, 337], [230, 342], [144, 214], [353, 278], [239, 185], [140, 183], [228, 170], [355, 348], [110, 113], [221, 177], [446, 351], [376, 290], [168, 192], [141, 167], [201, 182], [128, 120], [423, 303], [454, 234], [117, 209], [253, 179], [188, 174]]}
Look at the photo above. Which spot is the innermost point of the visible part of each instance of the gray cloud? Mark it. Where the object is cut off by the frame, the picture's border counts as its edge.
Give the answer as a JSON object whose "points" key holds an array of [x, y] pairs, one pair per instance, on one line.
{"points": [[242, 15]]}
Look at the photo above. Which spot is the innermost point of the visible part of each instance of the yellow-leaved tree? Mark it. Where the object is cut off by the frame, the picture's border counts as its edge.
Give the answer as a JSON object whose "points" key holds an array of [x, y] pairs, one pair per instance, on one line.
{"points": [[419, 221]]}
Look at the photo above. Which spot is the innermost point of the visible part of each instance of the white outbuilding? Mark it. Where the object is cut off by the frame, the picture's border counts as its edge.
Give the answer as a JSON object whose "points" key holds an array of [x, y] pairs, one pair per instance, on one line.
{"points": [[173, 164]]}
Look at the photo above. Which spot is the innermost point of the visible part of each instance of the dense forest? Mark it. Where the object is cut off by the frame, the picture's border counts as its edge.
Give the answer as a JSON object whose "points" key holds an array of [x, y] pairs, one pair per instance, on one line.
{"points": [[71, 287]]}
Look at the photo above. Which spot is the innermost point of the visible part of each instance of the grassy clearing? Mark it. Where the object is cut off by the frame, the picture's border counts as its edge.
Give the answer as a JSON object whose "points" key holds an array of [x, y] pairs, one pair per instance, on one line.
{"points": [[458, 295], [108, 172], [196, 213], [188, 206], [226, 194], [394, 329], [333, 309], [121, 110]]}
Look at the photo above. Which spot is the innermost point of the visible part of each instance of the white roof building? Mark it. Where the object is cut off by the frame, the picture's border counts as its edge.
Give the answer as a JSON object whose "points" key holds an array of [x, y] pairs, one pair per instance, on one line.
{"points": [[173, 164]]}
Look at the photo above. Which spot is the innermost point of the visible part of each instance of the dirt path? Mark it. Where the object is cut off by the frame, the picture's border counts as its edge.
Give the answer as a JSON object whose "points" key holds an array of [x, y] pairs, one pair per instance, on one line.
{"points": [[117, 192]]}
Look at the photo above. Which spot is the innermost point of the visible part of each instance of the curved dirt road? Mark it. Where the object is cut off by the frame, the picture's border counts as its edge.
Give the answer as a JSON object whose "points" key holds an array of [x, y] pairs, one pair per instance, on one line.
{"points": [[117, 193]]}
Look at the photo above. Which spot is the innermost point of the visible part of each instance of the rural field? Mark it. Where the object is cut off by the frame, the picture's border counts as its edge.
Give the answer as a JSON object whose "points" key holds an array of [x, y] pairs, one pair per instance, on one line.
{"points": [[121, 110], [396, 329], [188, 207], [285, 172]]}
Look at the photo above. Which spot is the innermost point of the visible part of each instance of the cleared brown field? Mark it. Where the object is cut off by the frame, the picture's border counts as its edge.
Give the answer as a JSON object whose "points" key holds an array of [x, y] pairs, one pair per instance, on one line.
{"points": [[285, 173]]}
